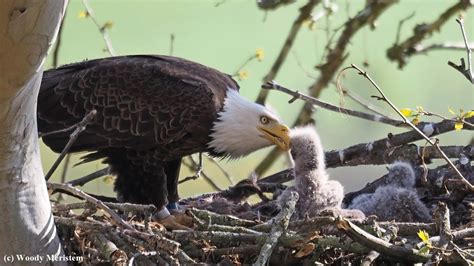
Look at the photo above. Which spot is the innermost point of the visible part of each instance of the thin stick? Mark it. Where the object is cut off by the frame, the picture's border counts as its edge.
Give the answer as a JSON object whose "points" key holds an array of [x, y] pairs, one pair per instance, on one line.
{"points": [[77, 192], [280, 224], [409, 123], [465, 70], [81, 126], [102, 29], [297, 95], [379, 245], [305, 13], [86, 179]]}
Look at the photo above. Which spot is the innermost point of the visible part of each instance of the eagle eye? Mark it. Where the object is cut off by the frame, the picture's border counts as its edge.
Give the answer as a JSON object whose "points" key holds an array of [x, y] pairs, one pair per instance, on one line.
{"points": [[264, 120]]}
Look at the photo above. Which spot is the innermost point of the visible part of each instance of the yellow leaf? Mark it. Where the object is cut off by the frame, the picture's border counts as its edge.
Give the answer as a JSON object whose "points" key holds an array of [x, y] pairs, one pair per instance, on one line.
{"points": [[109, 179], [260, 54], [416, 121], [458, 125], [451, 111], [243, 74], [469, 114], [83, 14], [406, 112], [424, 236]]}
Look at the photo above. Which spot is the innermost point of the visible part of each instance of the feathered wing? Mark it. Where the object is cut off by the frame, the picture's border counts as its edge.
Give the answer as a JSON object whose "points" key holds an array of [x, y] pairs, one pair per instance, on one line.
{"points": [[142, 103]]}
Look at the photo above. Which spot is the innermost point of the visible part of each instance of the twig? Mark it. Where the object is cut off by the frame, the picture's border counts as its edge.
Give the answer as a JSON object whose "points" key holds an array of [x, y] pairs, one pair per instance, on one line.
{"points": [[399, 52], [223, 171], [409, 123], [279, 224], [124, 207], [465, 70], [271, 4], [194, 166], [375, 154], [297, 95], [214, 218], [115, 217], [102, 28], [79, 127], [171, 43], [420, 49], [86, 179], [400, 25], [443, 224], [305, 13], [379, 245]]}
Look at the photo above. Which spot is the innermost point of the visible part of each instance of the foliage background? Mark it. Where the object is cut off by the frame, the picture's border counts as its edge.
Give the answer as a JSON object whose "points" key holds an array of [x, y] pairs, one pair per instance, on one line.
{"points": [[224, 36]]}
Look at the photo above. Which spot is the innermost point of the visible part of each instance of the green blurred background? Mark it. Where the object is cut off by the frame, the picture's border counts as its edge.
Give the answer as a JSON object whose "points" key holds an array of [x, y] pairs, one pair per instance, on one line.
{"points": [[224, 35]]}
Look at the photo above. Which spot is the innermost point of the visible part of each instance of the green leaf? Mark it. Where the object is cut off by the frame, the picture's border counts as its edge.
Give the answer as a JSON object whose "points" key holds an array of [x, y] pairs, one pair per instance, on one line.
{"points": [[424, 250]]}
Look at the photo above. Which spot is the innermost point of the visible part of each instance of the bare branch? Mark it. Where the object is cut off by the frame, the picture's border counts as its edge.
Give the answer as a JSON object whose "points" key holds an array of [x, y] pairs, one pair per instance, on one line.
{"points": [[379, 245], [400, 52], [86, 179], [102, 28], [305, 13], [297, 95], [279, 225], [115, 217], [465, 70], [79, 127]]}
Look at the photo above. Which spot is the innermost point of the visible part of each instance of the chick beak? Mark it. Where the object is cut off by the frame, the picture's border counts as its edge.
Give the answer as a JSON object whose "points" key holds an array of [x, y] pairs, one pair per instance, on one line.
{"points": [[277, 134]]}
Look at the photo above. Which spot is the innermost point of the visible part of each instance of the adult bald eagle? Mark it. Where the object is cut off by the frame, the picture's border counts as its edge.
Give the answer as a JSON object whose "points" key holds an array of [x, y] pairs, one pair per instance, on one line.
{"points": [[152, 111]]}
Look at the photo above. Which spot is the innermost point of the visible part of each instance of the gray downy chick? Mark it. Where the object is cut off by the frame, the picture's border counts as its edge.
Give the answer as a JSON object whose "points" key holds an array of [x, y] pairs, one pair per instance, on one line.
{"points": [[397, 200], [317, 193]]}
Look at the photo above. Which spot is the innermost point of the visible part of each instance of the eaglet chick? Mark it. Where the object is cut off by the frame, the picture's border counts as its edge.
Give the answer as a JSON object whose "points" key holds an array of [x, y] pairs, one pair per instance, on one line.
{"points": [[317, 193], [397, 200]]}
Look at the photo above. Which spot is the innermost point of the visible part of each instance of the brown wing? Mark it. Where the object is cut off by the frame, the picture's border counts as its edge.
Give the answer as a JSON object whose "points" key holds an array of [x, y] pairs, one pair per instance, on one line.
{"points": [[142, 103]]}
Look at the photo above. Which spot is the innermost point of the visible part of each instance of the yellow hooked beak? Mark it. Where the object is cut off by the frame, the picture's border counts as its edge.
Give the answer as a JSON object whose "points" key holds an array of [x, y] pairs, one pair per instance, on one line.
{"points": [[276, 133]]}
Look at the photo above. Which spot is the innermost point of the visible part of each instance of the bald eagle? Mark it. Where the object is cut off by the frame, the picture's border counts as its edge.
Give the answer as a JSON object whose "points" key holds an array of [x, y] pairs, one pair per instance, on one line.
{"points": [[151, 112]]}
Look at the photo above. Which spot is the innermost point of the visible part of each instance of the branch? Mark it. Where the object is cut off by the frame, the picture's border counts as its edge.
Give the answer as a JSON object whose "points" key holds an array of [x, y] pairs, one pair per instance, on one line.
{"points": [[313, 101], [86, 179], [305, 13], [115, 217], [400, 52], [383, 247], [79, 127], [465, 70], [279, 224], [102, 28]]}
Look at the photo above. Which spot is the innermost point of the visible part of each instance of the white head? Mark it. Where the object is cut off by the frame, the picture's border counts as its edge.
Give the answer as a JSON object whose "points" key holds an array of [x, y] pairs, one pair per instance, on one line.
{"points": [[244, 126]]}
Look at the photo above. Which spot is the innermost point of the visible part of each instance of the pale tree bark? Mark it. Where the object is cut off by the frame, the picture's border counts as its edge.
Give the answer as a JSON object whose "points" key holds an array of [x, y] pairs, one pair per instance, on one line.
{"points": [[27, 30]]}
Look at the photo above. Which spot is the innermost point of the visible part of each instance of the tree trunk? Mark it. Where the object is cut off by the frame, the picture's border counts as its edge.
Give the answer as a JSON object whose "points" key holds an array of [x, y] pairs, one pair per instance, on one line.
{"points": [[27, 30]]}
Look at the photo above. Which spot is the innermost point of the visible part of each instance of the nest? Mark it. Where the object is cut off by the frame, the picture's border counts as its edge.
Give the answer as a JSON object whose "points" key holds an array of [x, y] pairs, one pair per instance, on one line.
{"points": [[228, 230]]}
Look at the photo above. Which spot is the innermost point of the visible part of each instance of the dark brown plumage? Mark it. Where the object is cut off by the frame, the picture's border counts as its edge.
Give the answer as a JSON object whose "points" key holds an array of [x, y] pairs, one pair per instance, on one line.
{"points": [[151, 111]]}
